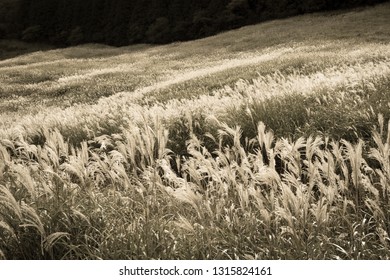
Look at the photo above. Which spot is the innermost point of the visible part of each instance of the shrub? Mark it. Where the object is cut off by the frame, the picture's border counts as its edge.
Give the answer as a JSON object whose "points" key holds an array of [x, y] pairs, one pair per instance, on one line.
{"points": [[76, 36], [32, 33], [159, 31]]}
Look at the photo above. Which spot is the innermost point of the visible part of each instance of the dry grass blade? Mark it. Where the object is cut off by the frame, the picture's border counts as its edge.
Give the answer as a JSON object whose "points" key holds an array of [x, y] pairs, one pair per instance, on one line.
{"points": [[7, 228], [32, 219], [50, 241], [8, 201]]}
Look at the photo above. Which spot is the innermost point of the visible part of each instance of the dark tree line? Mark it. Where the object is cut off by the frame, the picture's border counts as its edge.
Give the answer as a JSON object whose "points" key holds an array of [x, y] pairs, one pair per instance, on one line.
{"points": [[122, 22]]}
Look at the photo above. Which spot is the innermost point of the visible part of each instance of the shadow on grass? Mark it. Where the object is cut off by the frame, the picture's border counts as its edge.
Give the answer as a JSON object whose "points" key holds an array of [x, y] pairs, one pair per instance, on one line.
{"points": [[13, 48]]}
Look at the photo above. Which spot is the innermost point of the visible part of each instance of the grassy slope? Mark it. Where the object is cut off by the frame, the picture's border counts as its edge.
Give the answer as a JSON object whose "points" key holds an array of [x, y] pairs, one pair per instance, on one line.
{"points": [[47, 82], [309, 75], [61, 78]]}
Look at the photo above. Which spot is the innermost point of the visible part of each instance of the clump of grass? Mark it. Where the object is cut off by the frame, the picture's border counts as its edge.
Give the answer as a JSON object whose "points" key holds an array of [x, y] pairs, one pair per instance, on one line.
{"points": [[343, 112], [121, 197]]}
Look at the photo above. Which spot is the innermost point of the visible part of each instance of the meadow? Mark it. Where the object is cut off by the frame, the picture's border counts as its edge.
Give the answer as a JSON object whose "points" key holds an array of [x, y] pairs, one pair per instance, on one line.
{"points": [[271, 141]]}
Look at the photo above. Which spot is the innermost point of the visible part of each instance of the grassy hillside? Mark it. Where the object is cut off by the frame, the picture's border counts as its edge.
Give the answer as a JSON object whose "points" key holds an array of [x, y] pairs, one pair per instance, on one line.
{"points": [[270, 141]]}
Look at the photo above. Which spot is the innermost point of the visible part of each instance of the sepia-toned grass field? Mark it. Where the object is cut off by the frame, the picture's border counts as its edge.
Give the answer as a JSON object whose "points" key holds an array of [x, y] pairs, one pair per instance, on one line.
{"points": [[267, 142]]}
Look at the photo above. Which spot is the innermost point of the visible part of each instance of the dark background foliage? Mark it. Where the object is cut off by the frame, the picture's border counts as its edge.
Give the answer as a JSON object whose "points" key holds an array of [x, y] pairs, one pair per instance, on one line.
{"points": [[123, 22]]}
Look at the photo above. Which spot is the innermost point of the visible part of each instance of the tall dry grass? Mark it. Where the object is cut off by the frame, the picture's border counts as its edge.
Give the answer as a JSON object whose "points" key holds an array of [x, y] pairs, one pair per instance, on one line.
{"points": [[129, 196], [165, 153]]}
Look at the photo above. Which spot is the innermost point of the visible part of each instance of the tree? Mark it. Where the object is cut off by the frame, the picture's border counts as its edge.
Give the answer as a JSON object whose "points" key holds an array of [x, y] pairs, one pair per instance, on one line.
{"points": [[159, 31], [120, 22], [3, 32], [239, 7], [32, 33], [76, 36], [9, 18]]}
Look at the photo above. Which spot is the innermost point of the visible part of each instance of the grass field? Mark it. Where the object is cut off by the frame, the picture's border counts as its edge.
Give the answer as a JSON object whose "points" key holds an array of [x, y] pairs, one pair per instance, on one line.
{"points": [[267, 142]]}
